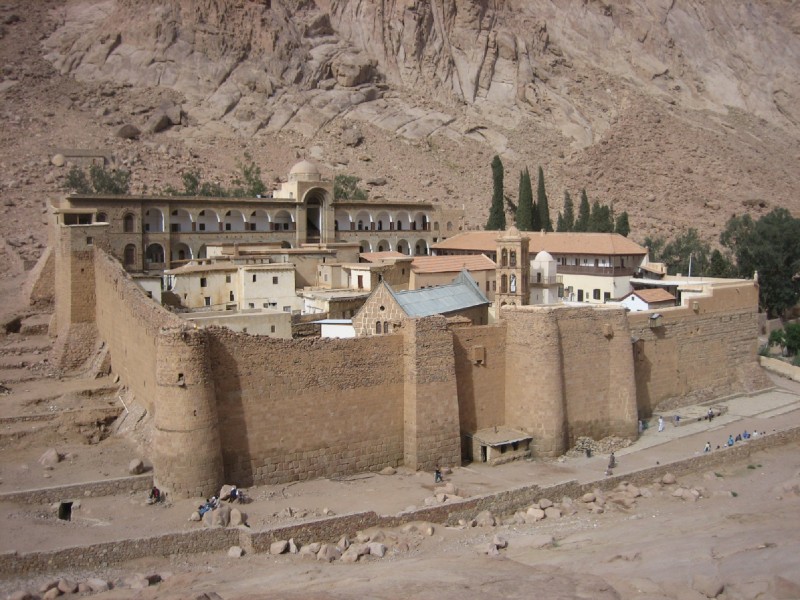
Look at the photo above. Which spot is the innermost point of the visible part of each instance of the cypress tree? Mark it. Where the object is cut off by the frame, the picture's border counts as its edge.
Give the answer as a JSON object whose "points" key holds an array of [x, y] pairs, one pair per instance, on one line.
{"points": [[584, 213], [525, 202], [497, 214], [560, 222], [622, 226], [542, 204], [569, 213]]}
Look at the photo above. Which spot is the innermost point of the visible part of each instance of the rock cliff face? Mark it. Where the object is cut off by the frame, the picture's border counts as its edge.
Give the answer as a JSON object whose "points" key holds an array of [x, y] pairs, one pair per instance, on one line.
{"points": [[681, 112], [414, 67]]}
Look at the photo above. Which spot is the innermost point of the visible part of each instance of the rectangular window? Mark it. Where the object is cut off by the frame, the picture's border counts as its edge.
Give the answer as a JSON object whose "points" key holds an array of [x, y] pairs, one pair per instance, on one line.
{"points": [[606, 296], [89, 241], [254, 277], [596, 294], [287, 309], [265, 305], [275, 280], [203, 282], [201, 226], [147, 226], [272, 328], [227, 278], [227, 226], [175, 227], [251, 305], [232, 298], [207, 300]]}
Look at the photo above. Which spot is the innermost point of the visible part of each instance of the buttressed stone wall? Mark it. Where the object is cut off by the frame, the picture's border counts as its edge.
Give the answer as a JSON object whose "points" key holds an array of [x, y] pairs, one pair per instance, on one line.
{"points": [[703, 350], [300, 409], [569, 373]]}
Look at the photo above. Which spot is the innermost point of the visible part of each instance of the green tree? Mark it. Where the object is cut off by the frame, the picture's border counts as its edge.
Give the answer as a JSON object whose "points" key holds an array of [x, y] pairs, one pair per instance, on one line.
{"points": [[777, 337], [600, 219], [771, 247], [568, 223], [77, 182], [542, 203], [191, 183], [685, 249], [655, 247], [524, 219], [720, 265], [248, 181], [584, 213], [622, 226], [792, 338], [345, 187], [116, 181], [497, 215]]}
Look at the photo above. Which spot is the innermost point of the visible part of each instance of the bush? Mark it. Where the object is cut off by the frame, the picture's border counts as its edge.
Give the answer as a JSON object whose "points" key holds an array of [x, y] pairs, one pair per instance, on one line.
{"points": [[791, 335], [763, 350], [345, 187]]}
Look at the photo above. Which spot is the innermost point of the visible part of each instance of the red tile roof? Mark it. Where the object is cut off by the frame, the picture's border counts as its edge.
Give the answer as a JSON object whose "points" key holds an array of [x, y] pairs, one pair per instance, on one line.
{"points": [[452, 264], [653, 295], [603, 244]]}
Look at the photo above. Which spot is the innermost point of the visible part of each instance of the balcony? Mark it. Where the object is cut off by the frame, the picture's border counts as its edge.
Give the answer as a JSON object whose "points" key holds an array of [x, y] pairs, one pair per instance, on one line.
{"points": [[596, 271]]}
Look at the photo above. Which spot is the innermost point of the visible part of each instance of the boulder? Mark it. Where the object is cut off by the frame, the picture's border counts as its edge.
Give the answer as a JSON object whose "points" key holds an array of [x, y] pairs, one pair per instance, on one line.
{"points": [[235, 552], [388, 471], [22, 595], [668, 479], [48, 585], [485, 519], [225, 492], [51, 593], [128, 132], [352, 137], [708, 585], [351, 69], [237, 518], [377, 549], [329, 553], [354, 552], [545, 503], [195, 516], [58, 160], [279, 547], [219, 517], [532, 515], [157, 122], [136, 467], [293, 549], [588, 497], [67, 586], [551, 512], [343, 543], [50, 458], [376, 181], [98, 585]]}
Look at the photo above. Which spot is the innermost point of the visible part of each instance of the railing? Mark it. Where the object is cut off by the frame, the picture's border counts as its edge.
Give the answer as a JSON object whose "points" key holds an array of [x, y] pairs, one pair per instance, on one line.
{"points": [[543, 280], [592, 270]]}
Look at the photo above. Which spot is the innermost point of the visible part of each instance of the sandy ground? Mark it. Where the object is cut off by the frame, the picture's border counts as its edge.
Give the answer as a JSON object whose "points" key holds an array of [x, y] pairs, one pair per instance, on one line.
{"points": [[748, 540]]}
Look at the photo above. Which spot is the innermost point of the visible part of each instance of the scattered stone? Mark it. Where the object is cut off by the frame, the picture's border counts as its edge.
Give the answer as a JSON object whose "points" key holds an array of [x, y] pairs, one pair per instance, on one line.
{"points": [[98, 585], [158, 122], [545, 503], [58, 160], [485, 519], [128, 132], [293, 549], [500, 541], [489, 548], [195, 516], [22, 595], [50, 458], [376, 181], [352, 136], [533, 514], [225, 492], [377, 549], [329, 553], [51, 593], [235, 552], [67, 586], [588, 497], [136, 466], [48, 585], [551, 512], [238, 518], [709, 586], [668, 479], [279, 547], [344, 543], [354, 552], [388, 471]]}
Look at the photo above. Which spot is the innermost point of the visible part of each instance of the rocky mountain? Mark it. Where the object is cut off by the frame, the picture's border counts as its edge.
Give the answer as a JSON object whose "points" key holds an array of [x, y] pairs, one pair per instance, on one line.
{"points": [[682, 112]]}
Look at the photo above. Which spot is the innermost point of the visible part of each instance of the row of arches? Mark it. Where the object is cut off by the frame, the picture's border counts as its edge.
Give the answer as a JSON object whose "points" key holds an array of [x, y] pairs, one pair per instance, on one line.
{"points": [[365, 220], [419, 248], [181, 220]]}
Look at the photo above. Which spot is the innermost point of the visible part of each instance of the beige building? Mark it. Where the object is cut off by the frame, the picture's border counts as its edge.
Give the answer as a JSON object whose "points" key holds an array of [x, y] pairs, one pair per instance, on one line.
{"points": [[157, 233], [224, 285], [272, 323], [591, 267], [430, 271]]}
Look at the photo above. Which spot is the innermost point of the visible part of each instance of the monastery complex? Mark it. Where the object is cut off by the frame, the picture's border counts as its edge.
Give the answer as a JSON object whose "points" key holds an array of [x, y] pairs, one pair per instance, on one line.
{"points": [[459, 345]]}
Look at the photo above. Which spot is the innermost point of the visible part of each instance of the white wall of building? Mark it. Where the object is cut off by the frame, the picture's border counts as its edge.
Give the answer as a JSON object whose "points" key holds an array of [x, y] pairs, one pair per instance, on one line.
{"points": [[596, 289]]}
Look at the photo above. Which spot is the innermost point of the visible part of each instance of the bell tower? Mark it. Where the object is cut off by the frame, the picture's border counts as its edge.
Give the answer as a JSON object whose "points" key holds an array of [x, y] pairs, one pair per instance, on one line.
{"points": [[513, 269]]}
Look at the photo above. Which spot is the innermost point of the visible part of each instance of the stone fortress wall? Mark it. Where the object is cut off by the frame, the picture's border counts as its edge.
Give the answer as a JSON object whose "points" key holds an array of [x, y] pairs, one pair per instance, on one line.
{"points": [[231, 407]]}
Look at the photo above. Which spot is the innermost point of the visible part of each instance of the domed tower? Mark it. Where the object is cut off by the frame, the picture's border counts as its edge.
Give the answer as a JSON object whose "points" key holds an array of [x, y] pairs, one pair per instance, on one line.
{"points": [[313, 199], [544, 283], [513, 269]]}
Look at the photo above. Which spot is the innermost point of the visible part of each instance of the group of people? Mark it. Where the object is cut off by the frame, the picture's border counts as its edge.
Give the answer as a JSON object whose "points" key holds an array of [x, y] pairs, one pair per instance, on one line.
{"points": [[745, 435]]}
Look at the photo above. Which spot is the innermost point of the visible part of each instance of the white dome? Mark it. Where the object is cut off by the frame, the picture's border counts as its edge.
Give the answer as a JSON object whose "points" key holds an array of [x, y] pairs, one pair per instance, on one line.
{"points": [[304, 171], [544, 256]]}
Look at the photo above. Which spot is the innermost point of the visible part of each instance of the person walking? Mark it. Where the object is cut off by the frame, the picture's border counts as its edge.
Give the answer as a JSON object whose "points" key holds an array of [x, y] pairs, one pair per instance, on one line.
{"points": [[661, 423], [708, 447]]}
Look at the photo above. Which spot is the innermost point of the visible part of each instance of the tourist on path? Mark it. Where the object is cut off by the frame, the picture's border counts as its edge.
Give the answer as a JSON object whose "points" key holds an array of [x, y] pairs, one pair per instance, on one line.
{"points": [[661, 423]]}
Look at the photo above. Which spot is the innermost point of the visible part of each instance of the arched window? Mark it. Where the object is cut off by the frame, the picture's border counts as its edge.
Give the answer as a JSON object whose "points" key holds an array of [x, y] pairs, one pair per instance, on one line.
{"points": [[504, 258], [504, 284], [360, 225], [129, 256], [386, 327], [380, 225], [378, 327], [101, 218], [127, 223], [513, 258]]}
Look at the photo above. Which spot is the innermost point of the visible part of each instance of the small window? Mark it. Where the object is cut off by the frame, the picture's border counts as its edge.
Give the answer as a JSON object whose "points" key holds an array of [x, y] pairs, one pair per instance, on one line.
{"points": [[287, 309], [275, 280], [378, 328], [251, 305], [254, 277], [265, 305], [231, 297], [203, 282], [606, 296], [207, 300], [227, 226], [201, 226], [227, 278], [89, 241], [272, 328], [175, 227]]}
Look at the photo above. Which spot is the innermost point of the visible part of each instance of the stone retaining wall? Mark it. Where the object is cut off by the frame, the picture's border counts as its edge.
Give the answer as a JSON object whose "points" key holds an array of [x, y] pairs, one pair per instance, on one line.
{"points": [[106, 487], [332, 528], [781, 368]]}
